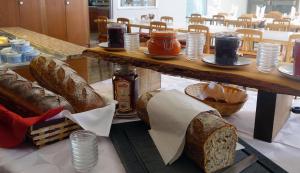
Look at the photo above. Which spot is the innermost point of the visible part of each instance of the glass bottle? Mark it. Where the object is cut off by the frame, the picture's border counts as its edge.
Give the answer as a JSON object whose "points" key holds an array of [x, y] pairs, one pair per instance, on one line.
{"points": [[125, 84]]}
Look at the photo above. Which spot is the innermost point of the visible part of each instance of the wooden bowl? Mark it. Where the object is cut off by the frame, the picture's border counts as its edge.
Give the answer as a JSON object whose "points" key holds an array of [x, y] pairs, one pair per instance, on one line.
{"points": [[237, 97]]}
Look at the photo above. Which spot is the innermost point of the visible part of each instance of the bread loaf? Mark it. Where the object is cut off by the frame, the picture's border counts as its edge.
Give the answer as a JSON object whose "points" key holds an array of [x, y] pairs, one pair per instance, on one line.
{"points": [[58, 77], [210, 140], [27, 98]]}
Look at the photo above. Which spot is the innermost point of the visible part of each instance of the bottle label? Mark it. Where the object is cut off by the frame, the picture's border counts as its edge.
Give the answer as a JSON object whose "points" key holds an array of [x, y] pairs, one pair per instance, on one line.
{"points": [[123, 95]]}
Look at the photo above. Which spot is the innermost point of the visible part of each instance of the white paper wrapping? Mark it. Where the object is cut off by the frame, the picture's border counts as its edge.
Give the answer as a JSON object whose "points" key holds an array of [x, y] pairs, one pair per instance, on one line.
{"points": [[98, 120], [170, 113]]}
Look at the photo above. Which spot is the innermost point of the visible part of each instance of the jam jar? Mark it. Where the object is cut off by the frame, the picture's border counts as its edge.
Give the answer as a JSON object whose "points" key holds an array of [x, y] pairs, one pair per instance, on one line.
{"points": [[125, 84], [226, 45], [116, 33], [164, 43]]}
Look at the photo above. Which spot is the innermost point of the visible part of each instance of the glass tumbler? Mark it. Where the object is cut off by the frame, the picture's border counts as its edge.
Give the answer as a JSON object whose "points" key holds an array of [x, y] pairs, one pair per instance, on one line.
{"points": [[131, 41], [116, 33], [267, 57], [84, 150], [194, 45]]}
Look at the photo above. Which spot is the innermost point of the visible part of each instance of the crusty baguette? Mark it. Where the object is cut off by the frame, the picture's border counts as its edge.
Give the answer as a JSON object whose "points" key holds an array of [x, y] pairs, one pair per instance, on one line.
{"points": [[27, 98], [210, 140], [58, 77]]}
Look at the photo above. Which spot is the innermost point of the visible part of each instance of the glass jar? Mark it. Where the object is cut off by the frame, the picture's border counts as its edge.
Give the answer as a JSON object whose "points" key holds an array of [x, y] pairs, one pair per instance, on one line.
{"points": [[125, 84], [226, 48], [164, 44], [116, 33], [267, 57], [194, 45]]}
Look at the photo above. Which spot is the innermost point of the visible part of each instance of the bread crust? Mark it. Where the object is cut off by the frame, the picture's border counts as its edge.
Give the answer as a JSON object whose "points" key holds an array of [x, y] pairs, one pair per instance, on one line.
{"points": [[203, 129], [27, 98], [58, 77]]}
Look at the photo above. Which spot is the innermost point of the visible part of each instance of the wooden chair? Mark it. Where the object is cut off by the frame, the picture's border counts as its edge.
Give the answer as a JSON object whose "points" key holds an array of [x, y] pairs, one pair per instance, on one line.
{"points": [[290, 46], [126, 22], [247, 21], [158, 26], [196, 20], [196, 15], [282, 21], [249, 38], [167, 19], [277, 27], [251, 15], [202, 29], [223, 14], [102, 28], [274, 15], [218, 19]]}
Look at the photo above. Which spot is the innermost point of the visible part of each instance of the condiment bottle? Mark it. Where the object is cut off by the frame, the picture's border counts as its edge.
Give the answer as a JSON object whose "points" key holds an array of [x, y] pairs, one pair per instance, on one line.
{"points": [[125, 84]]}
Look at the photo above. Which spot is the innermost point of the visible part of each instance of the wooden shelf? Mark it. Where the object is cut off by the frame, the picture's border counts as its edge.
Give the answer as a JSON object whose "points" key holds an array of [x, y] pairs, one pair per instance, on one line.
{"points": [[248, 76]]}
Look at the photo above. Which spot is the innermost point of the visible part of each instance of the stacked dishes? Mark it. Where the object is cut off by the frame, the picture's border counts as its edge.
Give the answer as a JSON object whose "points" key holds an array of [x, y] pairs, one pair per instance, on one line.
{"points": [[20, 51]]}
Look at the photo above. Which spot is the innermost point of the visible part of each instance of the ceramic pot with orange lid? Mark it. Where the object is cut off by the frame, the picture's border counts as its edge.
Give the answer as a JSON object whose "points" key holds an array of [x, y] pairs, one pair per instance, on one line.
{"points": [[164, 43]]}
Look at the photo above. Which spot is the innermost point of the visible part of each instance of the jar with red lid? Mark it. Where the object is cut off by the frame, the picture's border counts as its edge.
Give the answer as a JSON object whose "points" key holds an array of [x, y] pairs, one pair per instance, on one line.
{"points": [[164, 44]]}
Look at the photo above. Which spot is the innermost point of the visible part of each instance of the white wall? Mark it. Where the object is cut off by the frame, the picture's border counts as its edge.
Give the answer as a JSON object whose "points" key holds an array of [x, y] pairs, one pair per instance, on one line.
{"points": [[174, 8], [227, 6]]}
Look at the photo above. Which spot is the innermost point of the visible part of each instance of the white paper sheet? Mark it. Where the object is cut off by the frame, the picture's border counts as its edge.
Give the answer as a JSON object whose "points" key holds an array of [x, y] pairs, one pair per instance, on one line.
{"points": [[98, 120], [170, 113]]}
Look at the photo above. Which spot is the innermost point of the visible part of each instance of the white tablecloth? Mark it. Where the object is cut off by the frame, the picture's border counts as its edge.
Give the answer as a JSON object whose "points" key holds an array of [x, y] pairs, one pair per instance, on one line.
{"points": [[56, 158]]}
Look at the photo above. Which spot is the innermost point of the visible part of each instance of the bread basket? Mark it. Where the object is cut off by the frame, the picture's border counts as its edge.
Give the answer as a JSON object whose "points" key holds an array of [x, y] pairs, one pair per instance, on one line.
{"points": [[227, 103]]}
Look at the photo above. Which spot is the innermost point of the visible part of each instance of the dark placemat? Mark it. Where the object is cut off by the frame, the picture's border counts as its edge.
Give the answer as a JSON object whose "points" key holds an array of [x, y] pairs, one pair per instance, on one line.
{"points": [[139, 154]]}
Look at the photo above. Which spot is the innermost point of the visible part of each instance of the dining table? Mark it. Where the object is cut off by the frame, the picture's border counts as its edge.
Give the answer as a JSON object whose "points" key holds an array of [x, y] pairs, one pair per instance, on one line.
{"points": [[275, 92], [268, 36]]}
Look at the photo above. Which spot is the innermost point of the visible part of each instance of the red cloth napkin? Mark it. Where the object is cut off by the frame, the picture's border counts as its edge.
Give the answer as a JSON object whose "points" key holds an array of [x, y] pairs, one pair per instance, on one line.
{"points": [[13, 127]]}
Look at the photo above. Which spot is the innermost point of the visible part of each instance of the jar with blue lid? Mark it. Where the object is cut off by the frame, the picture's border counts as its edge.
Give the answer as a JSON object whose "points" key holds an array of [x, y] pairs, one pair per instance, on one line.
{"points": [[8, 55], [21, 45], [28, 56]]}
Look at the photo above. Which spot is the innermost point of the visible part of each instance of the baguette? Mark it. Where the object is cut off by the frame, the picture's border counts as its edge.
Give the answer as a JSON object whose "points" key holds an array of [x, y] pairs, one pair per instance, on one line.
{"points": [[58, 77], [210, 140], [27, 98]]}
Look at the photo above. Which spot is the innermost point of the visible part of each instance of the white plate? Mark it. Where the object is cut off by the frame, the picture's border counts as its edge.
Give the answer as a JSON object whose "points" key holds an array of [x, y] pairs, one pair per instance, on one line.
{"points": [[287, 70], [104, 45], [241, 62], [162, 57]]}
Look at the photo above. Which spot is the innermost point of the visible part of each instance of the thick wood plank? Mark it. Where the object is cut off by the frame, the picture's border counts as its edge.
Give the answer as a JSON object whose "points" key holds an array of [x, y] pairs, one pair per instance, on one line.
{"points": [[248, 76]]}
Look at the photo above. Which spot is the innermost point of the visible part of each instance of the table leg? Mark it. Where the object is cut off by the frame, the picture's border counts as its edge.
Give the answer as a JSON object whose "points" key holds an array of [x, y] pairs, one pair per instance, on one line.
{"points": [[272, 111]]}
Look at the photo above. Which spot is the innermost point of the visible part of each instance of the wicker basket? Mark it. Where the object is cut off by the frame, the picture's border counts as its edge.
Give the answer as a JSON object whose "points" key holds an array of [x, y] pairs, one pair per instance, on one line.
{"points": [[50, 131], [224, 108]]}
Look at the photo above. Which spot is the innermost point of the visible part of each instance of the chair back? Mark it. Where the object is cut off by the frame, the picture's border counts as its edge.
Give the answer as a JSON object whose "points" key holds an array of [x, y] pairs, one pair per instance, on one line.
{"points": [[167, 19], [290, 46], [202, 29], [223, 14], [158, 26], [245, 21], [282, 21], [196, 15], [196, 20], [249, 38], [274, 15], [218, 19], [126, 22], [102, 24], [277, 27]]}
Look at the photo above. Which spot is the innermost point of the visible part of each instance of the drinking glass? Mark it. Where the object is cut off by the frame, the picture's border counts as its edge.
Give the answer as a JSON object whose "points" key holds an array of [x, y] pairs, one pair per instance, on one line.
{"points": [[116, 33], [131, 41], [267, 57], [84, 150], [194, 45]]}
